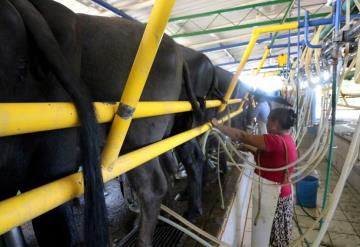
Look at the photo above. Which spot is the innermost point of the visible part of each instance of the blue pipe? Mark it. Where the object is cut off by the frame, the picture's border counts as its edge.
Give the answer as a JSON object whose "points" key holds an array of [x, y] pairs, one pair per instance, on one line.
{"points": [[114, 10], [266, 67], [306, 36], [285, 45], [259, 41], [337, 16], [297, 70], [328, 21], [250, 60], [288, 46]]}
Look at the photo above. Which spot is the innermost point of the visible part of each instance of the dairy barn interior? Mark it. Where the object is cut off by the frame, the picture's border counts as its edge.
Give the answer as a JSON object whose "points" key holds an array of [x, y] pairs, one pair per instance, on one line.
{"points": [[179, 123]]}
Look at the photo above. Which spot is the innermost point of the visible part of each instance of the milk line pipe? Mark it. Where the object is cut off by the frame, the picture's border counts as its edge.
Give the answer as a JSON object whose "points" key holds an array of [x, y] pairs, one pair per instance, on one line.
{"points": [[26, 206], [21, 118], [135, 83]]}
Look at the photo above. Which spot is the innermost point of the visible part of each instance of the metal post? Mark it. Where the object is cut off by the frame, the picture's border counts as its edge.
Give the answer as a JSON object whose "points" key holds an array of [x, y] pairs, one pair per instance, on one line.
{"points": [[337, 13], [261, 64], [297, 68], [135, 84], [288, 62]]}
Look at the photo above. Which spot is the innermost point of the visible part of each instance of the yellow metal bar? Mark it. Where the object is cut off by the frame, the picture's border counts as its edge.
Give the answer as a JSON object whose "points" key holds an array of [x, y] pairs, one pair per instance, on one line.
{"points": [[245, 57], [255, 35], [21, 118], [261, 63], [24, 207], [144, 59]]}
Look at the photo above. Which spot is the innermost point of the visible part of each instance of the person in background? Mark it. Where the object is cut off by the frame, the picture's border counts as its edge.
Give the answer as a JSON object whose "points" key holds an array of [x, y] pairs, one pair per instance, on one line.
{"points": [[260, 113], [274, 150]]}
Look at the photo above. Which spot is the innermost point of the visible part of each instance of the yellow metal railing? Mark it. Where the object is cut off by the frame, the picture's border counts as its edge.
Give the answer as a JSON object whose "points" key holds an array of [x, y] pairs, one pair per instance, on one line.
{"points": [[137, 78], [22, 118], [24, 207], [19, 209], [261, 63]]}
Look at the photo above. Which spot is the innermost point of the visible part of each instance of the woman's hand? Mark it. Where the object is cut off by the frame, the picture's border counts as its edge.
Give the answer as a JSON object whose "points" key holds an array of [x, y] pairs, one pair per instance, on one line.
{"points": [[242, 134], [215, 122]]}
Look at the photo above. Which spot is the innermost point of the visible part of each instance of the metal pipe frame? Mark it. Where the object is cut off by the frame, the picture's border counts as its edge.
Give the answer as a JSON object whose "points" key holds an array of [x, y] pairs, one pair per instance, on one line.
{"points": [[135, 84], [114, 10], [291, 4], [244, 26], [319, 22], [19, 209], [255, 35], [250, 60], [24, 207], [266, 67], [22, 118], [220, 11], [262, 61], [245, 43], [306, 36], [267, 51], [301, 43]]}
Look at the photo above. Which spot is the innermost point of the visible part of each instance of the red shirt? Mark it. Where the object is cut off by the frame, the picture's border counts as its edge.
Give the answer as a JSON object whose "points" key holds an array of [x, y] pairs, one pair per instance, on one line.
{"points": [[274, 157]]}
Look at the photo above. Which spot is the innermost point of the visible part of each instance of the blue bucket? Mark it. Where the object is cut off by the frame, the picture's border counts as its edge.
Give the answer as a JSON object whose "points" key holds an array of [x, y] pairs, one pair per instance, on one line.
{"points": [[306, 192]]}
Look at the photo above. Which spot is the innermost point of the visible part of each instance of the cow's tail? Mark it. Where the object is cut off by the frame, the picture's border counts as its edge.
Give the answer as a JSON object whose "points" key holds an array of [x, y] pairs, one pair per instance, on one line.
{"points": [[96, 229], [198, 110]]}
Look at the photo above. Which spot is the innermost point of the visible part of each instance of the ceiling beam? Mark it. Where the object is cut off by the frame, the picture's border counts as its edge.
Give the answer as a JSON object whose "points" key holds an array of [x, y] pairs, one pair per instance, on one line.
{"points": [[243, 26], [245, 43], [220, 11], [283, 20]]}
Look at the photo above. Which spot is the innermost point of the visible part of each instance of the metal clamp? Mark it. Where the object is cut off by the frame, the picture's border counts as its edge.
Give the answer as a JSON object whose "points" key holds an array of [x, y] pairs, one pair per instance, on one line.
{"points": [[125, 111]]}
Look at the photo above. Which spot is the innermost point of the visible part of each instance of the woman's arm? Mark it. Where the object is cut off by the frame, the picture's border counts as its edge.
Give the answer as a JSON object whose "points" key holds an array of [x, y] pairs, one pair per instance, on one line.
{"points": [[240, 135]]}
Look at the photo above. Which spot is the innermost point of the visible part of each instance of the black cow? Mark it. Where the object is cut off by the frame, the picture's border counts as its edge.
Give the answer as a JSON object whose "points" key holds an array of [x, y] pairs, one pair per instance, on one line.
{"points": [[209, 83], [34, 69], [45, 50]]}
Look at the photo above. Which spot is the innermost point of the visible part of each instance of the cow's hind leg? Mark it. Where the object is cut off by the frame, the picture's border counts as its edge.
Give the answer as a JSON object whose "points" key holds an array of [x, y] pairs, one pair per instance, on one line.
{"points": [[194, 161], [55, 158], [150, 185]]}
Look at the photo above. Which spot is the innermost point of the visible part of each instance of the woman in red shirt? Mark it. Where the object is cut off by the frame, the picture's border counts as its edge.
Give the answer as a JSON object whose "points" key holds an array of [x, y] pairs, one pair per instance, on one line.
{"points": [[275, 150]]}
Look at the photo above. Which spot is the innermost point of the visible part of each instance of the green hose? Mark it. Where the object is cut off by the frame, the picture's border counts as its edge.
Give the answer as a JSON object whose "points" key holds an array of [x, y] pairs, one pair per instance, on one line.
{"points": [[333, 118]]}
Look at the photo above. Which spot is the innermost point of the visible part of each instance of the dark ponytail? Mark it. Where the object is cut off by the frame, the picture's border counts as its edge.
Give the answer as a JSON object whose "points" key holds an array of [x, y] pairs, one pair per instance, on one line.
{"points": [[285, 117]]}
